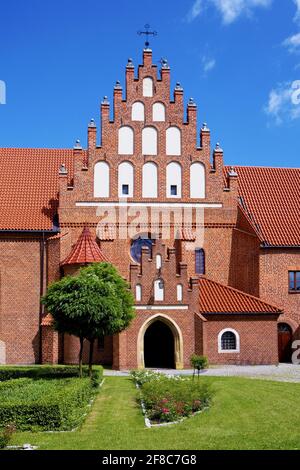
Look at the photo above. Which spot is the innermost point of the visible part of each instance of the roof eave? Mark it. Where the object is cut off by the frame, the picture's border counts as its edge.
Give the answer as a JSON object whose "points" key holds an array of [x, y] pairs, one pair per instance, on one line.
{"points": [[279, 312], [268, 246], [52, 231]]}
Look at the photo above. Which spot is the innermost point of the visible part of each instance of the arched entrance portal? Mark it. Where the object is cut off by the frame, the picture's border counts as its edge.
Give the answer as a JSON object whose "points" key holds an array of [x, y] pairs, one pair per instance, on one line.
{"points": [[285, 336], [159, 349], [160, 343]]}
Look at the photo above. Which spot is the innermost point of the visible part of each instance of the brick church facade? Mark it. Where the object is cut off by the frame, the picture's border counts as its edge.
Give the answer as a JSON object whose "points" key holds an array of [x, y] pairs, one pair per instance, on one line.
{"points": [[211, 253]]}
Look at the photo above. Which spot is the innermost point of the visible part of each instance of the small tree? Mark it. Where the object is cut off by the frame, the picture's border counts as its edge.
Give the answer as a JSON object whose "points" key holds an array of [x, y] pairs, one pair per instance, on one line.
{"points": [[95, 303], [198, 363]]}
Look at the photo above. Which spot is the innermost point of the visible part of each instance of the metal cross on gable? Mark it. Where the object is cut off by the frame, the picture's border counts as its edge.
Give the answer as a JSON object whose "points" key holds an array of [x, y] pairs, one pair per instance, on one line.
{"points": [[147, 34]]}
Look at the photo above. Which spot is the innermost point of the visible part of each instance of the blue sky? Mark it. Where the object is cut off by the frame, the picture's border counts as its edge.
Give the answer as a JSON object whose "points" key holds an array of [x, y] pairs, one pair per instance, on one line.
{"points": [[237, 58]]}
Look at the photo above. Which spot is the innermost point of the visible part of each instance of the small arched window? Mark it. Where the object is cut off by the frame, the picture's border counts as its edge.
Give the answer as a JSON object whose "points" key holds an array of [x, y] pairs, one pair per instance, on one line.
{"points": [[101, 179], [149, 141], [199, 261], [174, 180], [138, 111], [159, 289], [125, 179], [148, 87], [197, 181], [179, 292], [138, 292], [125, 144], [173, 141], [158, 112], [149, 180], [228, 341]]}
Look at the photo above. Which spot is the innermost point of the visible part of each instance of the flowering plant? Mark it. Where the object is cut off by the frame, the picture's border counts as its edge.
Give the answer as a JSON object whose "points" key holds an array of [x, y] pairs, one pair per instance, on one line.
{"points": [[168, 399]]}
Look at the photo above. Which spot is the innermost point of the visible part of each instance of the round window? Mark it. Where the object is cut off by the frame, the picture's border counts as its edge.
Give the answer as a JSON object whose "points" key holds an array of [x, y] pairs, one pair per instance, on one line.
{"points": [[136, 248]]}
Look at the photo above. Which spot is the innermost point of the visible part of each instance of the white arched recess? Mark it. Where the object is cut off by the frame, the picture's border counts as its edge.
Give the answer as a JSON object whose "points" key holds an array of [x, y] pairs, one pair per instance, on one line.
{"points": [[149, 179], [149, 141], [159, 291], [177, 334], [101, 179], [158, 112], [197, 181], [179, 289], [148, 87], [2, 352], [173, 141], [174, 180], [138, 111], [126, 178], [138, 292], [125, 142]]}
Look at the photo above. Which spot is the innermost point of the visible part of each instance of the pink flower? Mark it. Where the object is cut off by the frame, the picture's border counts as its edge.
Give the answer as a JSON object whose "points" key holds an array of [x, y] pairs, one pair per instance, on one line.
{"points": [[165, 410]]}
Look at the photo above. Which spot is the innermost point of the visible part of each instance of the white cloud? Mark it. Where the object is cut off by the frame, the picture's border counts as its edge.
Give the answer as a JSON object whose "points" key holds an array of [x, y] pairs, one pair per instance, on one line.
{"points": [[297, 17], [195, 11], [208, 63], [282, 105], [293, 42], [230, 10]]}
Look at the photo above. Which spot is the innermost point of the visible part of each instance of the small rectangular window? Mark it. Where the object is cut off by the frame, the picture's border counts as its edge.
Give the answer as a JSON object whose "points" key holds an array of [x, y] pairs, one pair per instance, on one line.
{"points": [[125, 189], [199, 261], [173, 190], [294, 281]]}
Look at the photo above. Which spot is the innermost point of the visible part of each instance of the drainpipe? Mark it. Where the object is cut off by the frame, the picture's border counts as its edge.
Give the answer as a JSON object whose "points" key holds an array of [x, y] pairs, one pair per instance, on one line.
{"points": [[42, 288]]}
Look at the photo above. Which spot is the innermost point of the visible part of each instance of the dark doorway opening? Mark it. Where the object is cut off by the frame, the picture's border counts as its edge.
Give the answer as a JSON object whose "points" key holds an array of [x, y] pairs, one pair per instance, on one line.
{"points": [[159, 346], [285, 337]]}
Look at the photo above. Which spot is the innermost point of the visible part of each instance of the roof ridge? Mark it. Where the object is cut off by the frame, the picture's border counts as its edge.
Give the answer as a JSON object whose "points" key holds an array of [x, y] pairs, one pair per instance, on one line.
{"points": [[37, 148], [264, 167], [250, 296]]}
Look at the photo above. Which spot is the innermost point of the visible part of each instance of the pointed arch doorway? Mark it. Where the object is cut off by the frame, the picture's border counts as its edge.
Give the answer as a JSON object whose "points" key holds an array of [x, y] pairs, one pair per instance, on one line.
{"points": [[160, 344]]}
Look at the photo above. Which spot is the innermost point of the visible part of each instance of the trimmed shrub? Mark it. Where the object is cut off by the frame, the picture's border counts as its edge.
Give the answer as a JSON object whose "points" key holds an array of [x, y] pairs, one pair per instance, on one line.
{"points": [[199, 363], [44, 372], [44, 404]]}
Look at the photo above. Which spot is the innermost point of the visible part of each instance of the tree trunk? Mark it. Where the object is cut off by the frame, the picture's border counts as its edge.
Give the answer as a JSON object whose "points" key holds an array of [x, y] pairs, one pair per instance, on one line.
{"points": [[91, 356], [80, 356]]}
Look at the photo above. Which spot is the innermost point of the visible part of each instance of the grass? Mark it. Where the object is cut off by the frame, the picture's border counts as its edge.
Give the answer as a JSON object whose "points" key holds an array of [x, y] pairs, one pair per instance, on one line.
{"points": [[246, 414]]}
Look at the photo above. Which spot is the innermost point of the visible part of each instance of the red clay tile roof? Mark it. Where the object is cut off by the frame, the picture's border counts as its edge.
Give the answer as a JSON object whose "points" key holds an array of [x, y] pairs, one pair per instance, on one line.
{"points": [[217, 298], [271, 199], [29, 187], [187, 234], [106, 232], [85, 251]]}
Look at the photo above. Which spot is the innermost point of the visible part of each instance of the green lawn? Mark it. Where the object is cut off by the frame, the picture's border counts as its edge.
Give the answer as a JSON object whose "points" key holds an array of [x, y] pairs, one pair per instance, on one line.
{"points": [[246, 414]]}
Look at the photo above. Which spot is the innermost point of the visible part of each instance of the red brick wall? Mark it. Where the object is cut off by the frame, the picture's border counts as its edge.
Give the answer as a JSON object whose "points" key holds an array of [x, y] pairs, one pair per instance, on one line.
{"points": [[274, 265], [71, 351], [20, 298], [258, 339], [50, 345], [128, 341]]}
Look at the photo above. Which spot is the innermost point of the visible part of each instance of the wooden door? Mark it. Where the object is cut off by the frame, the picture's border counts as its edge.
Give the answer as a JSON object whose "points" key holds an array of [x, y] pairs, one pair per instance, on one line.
{"points": [[284, 342]]}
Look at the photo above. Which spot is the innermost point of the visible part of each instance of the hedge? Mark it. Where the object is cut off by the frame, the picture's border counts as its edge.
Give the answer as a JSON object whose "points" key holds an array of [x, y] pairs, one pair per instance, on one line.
{"points": [[57, 404], [45, 372]]}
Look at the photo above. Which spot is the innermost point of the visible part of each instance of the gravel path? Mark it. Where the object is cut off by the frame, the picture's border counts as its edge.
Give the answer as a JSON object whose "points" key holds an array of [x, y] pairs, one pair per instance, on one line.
{"points": [[282, 372]]}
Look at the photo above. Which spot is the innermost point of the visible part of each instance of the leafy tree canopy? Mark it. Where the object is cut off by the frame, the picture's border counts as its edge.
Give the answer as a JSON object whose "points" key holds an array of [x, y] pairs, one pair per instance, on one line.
{"points": [[97, 302]]}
